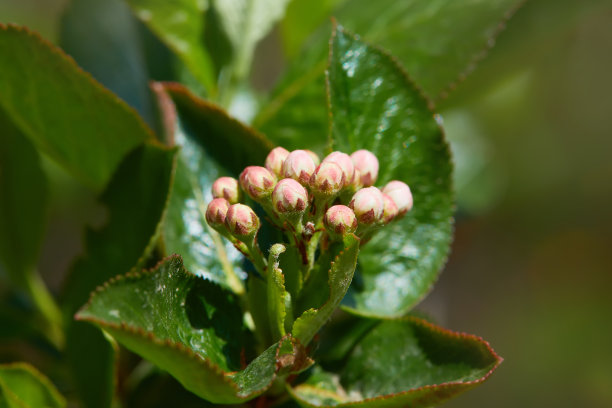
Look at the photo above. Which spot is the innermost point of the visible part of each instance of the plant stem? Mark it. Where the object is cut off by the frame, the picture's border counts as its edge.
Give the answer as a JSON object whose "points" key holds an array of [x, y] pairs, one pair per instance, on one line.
{"points": [[50, 312]]}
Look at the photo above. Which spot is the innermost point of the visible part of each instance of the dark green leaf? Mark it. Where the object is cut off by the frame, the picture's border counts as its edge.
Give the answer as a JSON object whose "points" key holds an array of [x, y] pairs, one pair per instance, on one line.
{"points": [[186, 325], [339, 279], [67, 115], [375, 106], [402, 363], [22, 386], [438, 41], [135, 199], [104, 39], [180, 25], [212, 145], [23, 202]]}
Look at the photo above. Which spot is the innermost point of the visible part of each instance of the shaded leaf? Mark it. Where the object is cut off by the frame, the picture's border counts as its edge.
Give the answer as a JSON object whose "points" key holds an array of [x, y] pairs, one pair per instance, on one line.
{"points": [[186, 325], [340, 276], [375, 106], [212, 145], [246, 22], [180, 25], [104, 39], [22, 386], [438, 42], [67, 115], [23, 203], [136, 200], [399, 363]]}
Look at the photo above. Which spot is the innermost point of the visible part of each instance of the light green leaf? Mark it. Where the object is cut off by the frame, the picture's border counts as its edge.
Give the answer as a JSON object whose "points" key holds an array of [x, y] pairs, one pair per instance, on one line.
{"points": [[340, 276], [401, 363], [22, 386], [375, 106], [190, 327], [212, 145], [67, 115], [279, 300], [246, 22], [180, 25]]}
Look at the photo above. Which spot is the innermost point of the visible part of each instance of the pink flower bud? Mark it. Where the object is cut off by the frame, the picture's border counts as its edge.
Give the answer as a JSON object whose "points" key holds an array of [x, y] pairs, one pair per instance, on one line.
{"points": [[299, 166], [226, 187], [216, 212], [340, 219], [367, 164], [368, 204], [275, 160], [346, 164], [314, 157], [400, 194], [289, 196], [390, 210], [327, 179], [241, 221], [257, 182]]}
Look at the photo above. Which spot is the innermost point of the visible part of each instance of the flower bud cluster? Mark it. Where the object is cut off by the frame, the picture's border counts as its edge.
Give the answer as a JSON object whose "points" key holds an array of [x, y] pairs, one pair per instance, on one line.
{"points": [[303, 194]]}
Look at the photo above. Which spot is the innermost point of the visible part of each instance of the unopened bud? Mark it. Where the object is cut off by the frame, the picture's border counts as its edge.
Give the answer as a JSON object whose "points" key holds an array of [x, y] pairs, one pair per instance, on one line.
{"points": [[257, 182], [314, 157], [299, 166], [368, 205], [226, 187], [289, 196], [327, 179], [367, 165], [346, 164], [400, 194], [390, 210], [216, 212], [340, 220], [275, 160], [241, 221]]}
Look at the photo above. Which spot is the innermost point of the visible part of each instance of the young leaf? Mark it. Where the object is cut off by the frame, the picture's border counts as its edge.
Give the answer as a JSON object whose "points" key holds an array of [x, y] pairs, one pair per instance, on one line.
{"points": [[279, 300], [67, 115], [22, 386], [375, 106], [188, 326], [399, 363], [340, 276], [135, 199], [246, 22], [416, 31], [212, 145], [180, 25]]}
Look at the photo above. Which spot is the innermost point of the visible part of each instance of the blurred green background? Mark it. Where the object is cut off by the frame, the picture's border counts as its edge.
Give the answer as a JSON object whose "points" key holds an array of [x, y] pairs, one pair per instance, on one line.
{"points": [[531, 265]]}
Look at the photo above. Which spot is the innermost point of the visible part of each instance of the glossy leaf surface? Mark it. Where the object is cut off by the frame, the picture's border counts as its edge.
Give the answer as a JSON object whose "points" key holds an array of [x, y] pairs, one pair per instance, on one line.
{"points": [[399, 363], [180, 25], [339, 279], [67, 115], [23, 188], [375, 106], [22, 386], [438, 42], [208, 137], [189, 326]]}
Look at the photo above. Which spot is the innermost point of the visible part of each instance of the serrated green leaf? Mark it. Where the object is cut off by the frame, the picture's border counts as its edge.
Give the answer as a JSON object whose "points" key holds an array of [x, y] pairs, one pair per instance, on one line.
{"points": [[188, 326], [67, 115], [400, 363], [246, 22], [180, 25], [105, 40], [438, 41], [340, 276], [23, 203], [212, 145], [136, 199], [375, 106], [22, 386]]}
